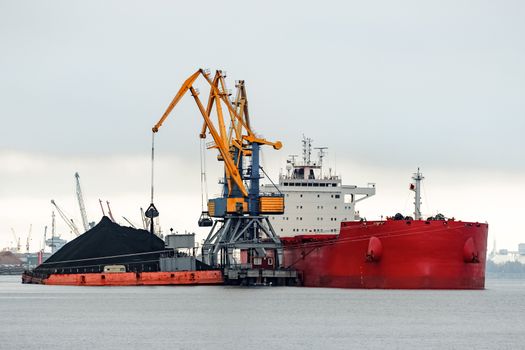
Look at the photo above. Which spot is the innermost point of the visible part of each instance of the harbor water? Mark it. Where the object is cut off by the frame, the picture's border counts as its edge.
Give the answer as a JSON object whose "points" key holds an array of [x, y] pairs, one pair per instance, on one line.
{"points": [[220, 317]]}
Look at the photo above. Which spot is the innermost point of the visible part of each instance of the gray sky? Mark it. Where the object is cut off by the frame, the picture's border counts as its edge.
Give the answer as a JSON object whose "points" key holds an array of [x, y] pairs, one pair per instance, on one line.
{"points": [[388, 86]]}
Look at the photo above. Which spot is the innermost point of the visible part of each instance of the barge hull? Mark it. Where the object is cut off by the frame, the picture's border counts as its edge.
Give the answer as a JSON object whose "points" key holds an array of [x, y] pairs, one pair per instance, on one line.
{"points": [[129, 278]]}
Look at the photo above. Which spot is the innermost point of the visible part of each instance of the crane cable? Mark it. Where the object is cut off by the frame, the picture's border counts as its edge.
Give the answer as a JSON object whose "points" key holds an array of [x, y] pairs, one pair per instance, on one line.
{"points": [[204, 185], [152, 162]]}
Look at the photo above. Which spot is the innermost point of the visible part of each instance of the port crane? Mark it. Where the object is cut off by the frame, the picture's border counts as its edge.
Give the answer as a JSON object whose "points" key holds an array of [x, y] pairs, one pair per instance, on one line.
{"points": [[69, 222], [241, 209], [144, 219], [110, 213], [28, 240], [55, 242], [83, 214], [16, 241]]}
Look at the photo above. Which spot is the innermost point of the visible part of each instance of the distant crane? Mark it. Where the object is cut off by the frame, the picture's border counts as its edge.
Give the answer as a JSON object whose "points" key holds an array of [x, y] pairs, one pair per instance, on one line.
{"points": [[53, 225], [45, 234], [87, 225], [129, 222], [110, 213], [69, 222], [17, 240], [55, 242], [28, 240], [144, 219], [101, 207]]}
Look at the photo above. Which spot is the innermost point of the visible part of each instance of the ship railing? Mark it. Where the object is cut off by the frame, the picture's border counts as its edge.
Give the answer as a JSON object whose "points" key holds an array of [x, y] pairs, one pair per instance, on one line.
{"points": [[271, 194], [239, 266], [131, 266], [84, 265], [108, 257]]}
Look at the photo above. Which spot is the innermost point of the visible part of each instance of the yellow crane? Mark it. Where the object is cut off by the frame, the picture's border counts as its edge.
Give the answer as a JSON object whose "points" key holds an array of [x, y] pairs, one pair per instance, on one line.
{"points": [[242, 208]]}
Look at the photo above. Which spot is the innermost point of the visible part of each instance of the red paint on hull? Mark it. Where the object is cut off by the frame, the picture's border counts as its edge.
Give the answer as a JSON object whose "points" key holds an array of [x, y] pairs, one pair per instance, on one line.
{"points": [[409, 255], [129, 278]]}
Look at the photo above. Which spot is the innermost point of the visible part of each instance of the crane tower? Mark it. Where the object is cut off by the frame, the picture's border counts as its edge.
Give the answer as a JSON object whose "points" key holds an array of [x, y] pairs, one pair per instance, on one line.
{"points": [[87, 225], [241, 228]]}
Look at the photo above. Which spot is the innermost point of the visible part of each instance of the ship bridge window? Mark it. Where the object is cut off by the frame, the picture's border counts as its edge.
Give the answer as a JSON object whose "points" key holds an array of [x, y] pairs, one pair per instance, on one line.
{"points": [[322, 185], [310, 184], [316, 184], [334, 184], [286, 184], [297, 184], [337, 196], [304, 184]]}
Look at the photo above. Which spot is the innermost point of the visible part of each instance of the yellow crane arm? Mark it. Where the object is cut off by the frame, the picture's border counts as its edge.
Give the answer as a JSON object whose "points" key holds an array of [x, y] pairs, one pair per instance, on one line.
{"points": [[219, 138], [221, 146], [185, 87], [239, 118]]}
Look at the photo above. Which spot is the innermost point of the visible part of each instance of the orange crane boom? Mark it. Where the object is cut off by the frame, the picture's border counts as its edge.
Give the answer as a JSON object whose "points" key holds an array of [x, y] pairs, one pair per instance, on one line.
{"points": [[222, 141]]}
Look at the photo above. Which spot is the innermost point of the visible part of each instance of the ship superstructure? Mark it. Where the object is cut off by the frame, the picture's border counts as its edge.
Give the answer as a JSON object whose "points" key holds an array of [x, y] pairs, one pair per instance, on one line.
{"points": [[315, 202]]}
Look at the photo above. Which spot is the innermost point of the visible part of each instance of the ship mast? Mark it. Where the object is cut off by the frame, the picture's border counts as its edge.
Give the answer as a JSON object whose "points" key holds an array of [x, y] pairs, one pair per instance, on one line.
{"points": [[417, 177], [307, 150], [322, 154]]}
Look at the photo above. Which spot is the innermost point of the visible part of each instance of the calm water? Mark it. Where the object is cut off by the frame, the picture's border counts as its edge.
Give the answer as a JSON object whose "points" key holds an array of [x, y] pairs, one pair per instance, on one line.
{"points": [[56, 317]]}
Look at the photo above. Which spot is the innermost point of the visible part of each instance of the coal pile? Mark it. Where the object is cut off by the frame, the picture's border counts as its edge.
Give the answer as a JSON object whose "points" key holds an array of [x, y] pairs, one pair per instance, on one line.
{"points": [[107, 244]]}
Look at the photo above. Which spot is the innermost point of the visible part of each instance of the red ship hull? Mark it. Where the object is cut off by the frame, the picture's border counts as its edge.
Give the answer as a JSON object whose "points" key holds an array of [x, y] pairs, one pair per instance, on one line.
{"points": [[392, 254]]}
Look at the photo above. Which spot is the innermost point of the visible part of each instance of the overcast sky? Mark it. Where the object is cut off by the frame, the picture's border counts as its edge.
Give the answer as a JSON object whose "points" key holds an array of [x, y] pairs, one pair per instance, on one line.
{"points": [[387, 85]]}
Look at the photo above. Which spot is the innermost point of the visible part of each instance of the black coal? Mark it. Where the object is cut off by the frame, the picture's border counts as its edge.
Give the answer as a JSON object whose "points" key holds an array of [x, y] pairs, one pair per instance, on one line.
{"points": [[106, 244]]}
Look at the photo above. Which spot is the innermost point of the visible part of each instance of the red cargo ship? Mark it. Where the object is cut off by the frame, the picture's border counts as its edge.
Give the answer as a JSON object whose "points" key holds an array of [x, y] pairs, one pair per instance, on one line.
{"points": [[398, 253], [392, 254]]}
